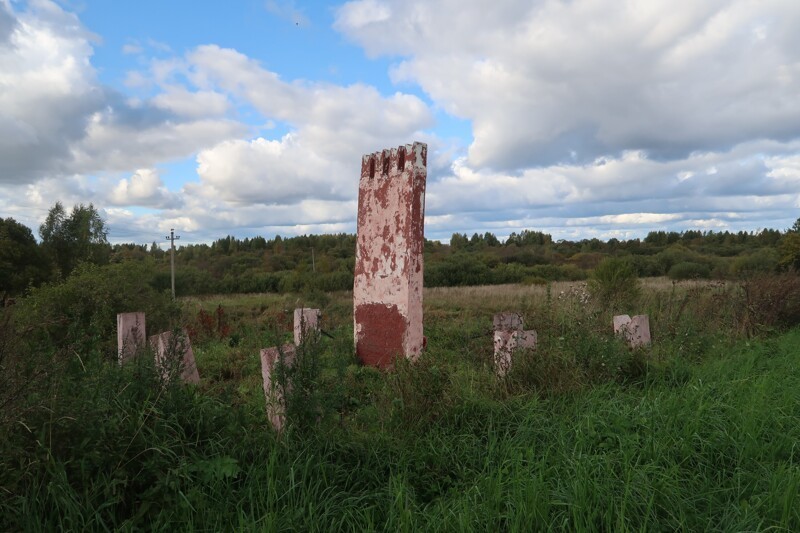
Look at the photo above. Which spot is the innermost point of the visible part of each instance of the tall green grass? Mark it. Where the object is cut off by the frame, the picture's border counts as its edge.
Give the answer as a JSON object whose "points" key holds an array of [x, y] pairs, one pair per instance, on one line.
{"points": [[699, 433]]}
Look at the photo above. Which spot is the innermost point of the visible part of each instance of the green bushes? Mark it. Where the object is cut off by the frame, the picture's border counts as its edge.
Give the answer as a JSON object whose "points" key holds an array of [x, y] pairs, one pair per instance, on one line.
{"points": [[689, 270], [614, 283], [761, 262], [80, 313]]}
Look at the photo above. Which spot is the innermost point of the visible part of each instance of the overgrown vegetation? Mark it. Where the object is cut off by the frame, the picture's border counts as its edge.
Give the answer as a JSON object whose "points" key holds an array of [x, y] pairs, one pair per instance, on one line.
{"points": [[697, 432], [326, 262]]}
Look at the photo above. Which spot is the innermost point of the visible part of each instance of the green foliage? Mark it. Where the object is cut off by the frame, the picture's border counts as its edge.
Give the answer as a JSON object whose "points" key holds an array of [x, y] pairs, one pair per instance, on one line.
{"points": [[701, 427], [80, 313], [22, 263], [70, 240], [688, 270], [790, 251], [614, 283], [760, 262]]}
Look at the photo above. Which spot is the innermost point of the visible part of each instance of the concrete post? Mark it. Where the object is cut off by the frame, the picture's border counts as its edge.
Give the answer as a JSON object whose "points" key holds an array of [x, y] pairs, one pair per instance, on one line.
{"points": [[130, 334]]}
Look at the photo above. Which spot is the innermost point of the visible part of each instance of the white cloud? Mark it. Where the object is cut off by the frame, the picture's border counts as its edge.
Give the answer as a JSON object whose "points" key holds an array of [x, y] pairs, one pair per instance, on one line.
{"points": [[143, 188], [543, 80], [56, 119], [331, 127]]}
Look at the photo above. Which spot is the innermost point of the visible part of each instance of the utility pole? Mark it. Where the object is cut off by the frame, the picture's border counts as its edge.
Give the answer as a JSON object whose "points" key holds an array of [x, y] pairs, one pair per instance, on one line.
{"points": [[172, 238]]}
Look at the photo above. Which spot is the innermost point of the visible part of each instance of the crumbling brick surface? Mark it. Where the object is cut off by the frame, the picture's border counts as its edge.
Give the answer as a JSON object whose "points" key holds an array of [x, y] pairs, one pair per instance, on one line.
{"points": [[387, 290]]}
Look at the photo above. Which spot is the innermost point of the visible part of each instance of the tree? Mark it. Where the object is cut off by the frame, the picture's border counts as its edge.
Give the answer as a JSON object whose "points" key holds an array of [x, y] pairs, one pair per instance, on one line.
{"points": [[76, 238], [22, 262], [789, 248], [614, 283]]}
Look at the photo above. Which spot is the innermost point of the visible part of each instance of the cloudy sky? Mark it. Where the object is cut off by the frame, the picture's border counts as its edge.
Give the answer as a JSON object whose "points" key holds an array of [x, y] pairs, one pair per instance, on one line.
{"points": [[581, 118]]}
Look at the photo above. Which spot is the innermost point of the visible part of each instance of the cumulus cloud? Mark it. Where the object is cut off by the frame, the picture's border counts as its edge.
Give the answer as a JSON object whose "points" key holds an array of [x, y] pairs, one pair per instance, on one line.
{"points": [[56, 119], [588, 118], [331, 126], [546, 82], [143, 188]]}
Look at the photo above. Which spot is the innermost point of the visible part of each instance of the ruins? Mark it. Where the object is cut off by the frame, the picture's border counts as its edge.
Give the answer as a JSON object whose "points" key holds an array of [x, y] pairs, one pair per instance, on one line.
{"points": [[306, 323], [510, 336], [636, 330], [270, 358], [173, 353], [130, 335], [306, 326], [387, 290]]}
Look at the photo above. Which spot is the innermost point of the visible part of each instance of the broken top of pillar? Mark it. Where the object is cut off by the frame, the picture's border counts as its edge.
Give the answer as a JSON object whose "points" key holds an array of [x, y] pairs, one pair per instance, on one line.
{"points": [[387, 289]]}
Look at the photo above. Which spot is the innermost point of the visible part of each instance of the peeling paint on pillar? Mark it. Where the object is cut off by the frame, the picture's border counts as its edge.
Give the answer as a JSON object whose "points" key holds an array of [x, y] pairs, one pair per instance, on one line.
{"points": [[387, 290]]}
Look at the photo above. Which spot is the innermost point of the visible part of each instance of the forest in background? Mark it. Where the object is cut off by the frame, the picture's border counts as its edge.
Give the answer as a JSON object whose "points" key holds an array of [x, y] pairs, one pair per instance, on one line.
{"points": [[326, 262]]}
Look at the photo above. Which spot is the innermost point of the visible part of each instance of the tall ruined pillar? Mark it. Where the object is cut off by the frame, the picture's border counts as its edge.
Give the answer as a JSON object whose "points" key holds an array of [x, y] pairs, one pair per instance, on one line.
{"points": [[387, 291]]}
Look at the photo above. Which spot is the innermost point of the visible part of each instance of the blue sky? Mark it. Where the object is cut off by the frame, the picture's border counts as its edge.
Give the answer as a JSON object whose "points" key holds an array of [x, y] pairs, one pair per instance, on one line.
{"points": [[588, 118]]}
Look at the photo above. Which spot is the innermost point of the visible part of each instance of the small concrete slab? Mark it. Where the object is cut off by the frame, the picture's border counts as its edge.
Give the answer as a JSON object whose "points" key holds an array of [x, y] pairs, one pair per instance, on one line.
{"points": [[173, 354], [130, 335], [509, 337], [273, 392], [306, 324], [636, 330]]}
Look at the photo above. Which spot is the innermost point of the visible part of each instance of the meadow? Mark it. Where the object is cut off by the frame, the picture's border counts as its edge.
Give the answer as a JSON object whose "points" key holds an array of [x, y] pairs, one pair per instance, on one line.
{"points": [[698, 432]]}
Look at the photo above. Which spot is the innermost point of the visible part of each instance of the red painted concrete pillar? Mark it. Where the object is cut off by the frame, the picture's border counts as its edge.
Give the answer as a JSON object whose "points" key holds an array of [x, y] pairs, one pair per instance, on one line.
{"points": [[387, 291]]}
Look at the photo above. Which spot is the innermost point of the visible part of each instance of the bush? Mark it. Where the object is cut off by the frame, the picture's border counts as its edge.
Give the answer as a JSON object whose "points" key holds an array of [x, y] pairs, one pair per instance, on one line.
{"points": [[80, 314], [757, 263], [689, 270], [770, 302], [614, 283]]}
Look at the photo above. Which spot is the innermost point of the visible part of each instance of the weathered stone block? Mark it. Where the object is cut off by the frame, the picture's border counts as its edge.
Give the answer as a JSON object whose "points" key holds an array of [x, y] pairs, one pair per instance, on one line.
{"points": [[508, 337], [635, 330], [274, 393], [306, 322], [130, 334], [174, 356], [387, 290], [507, 321]]}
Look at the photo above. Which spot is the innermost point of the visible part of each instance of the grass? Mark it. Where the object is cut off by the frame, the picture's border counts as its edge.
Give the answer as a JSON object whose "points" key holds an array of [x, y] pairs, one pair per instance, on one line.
{"points": [[699, 434]]}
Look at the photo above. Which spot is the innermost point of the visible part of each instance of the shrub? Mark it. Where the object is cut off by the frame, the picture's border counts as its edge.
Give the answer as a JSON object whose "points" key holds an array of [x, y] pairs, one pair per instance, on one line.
{"points": [[614, 283], [770, 302], [81, 313], [759, 262], [689, 270]]}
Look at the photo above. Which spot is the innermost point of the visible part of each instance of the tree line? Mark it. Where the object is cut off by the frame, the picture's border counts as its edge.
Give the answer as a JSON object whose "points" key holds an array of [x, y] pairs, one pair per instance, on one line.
{"points": [[326, 262]]}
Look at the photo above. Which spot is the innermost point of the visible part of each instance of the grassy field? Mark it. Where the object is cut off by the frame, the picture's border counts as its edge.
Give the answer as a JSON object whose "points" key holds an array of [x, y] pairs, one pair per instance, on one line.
{"points": [[700, 432]]}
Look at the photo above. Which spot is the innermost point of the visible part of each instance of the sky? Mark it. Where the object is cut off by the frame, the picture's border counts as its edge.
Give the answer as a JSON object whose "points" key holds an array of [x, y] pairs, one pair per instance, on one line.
{"points": [[579, 118]]}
